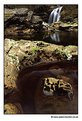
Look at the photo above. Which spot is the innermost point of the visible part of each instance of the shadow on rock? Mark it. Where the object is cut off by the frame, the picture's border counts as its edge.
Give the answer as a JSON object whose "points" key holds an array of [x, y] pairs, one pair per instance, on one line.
{"points": [[29, 79]]}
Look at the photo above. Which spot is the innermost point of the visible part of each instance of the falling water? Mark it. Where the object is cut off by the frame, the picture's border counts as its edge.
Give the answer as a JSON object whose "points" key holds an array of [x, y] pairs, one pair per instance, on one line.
{"points": [[55, 15], [60, 37]]}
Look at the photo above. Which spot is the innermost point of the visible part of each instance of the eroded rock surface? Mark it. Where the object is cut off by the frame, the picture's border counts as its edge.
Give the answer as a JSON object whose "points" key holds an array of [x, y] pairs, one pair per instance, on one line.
{"points": [[11, 108], [55, 87], [47, 104], [25, 53]]}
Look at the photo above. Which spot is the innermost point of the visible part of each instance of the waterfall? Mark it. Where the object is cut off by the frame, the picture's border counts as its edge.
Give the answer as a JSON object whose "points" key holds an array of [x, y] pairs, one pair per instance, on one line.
{"points": [[55, 15]]}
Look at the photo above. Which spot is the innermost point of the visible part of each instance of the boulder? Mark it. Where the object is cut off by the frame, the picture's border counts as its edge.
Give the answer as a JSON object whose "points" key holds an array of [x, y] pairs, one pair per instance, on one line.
{"points": [[48, 103], [9, 13], [57, 87], [29, 16], [21, 12], [36, 19]]}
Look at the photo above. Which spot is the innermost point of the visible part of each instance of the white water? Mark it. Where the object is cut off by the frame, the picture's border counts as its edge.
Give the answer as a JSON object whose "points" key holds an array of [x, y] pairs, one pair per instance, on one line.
{"points": [[55, 15], [55, 37]]}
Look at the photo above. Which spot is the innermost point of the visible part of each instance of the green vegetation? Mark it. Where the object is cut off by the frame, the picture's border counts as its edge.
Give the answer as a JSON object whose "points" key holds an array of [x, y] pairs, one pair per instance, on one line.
{"points": [[35, 49], [60, 54]]}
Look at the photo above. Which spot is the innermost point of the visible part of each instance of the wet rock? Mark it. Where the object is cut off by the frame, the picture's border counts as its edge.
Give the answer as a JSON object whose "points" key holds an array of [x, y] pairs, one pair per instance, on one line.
{"points": [[41, 44], [19, 21], [24, 53], [46, 10], [11, 108], [70, 26], [20, 54]]}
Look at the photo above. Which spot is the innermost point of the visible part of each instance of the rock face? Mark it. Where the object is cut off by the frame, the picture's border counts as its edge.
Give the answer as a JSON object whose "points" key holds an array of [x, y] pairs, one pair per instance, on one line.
{"points": [[40, 9], [22, 54], [69, 13], [27, 22]]}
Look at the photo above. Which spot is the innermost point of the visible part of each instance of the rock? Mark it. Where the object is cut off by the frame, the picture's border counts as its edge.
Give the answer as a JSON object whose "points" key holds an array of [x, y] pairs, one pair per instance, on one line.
{"points": [[34, 55], [41, 44], [36, 19], [11, 108], [29, 17], [28, 33], [21, 20], [60, 26], [39, 58], [21, 11], [65, 13], [68, 52], [57, 87], [11, 70], [54, 104], [9, 13], [68, 26], [24, 52]]}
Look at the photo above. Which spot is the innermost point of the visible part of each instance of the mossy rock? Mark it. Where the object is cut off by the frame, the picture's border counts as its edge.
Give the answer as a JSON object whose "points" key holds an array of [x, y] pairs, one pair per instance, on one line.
{"points": [[11, 108], [35, 49]]}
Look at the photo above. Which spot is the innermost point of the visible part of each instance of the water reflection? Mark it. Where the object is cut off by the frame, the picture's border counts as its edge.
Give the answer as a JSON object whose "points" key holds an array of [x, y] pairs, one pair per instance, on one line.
{"points": [[55, 37], [64, 38]]}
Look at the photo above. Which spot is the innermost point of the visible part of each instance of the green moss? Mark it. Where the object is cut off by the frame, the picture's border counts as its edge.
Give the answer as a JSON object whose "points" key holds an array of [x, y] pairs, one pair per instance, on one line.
{"points": [[60, 54], [35, 49]]}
